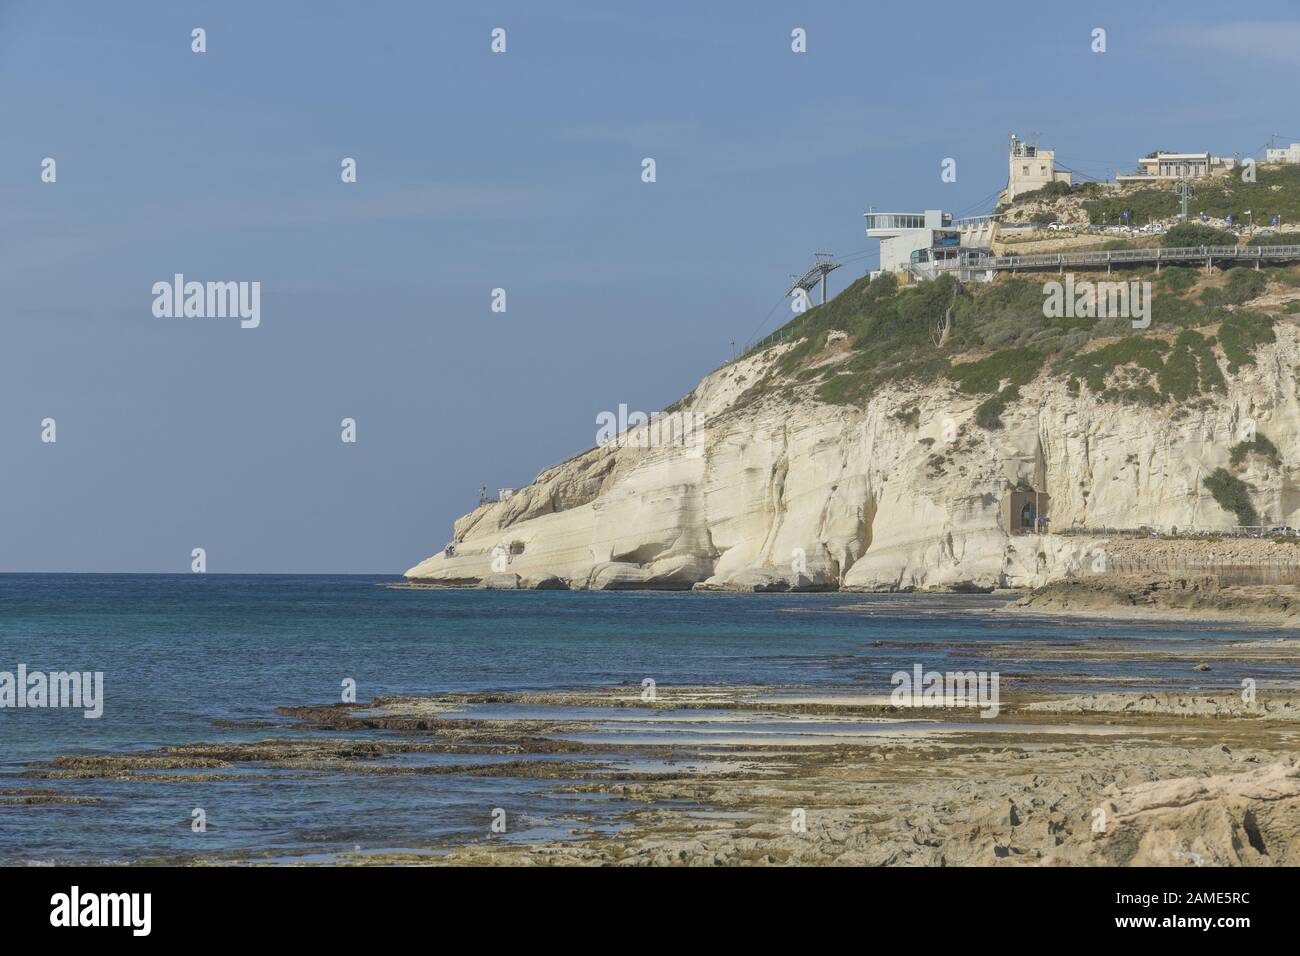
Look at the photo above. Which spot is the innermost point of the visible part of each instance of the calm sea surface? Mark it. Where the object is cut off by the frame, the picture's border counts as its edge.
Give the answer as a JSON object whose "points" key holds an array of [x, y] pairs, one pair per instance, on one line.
{"points": [[181, 651]]}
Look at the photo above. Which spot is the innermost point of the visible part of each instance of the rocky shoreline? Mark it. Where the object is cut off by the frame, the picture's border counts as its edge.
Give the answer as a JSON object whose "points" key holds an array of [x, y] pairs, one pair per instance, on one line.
{"points": [[1145, 565], [1145, 596], [1161, 746], [1165, 597], [1164, 779]]}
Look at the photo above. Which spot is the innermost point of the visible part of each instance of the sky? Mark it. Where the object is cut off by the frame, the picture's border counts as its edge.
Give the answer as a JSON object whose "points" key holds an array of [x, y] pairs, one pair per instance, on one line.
{"points": [[477, 171]]}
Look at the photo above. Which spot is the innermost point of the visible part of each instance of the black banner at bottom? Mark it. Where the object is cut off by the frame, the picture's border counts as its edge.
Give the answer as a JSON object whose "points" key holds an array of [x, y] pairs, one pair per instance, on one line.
{"points": [[340, 905]]}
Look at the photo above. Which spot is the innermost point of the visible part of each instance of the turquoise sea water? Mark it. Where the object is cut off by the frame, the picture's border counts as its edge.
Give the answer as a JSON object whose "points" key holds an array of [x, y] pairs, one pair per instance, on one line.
{"points": [[179, 652]]}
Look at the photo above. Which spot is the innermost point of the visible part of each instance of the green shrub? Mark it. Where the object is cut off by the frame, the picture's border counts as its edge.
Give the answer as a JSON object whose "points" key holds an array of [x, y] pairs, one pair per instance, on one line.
{"points": [[1240, 334], [1232, 494], [1243, 285], [1197, 234], [1177, 279], [1209, 375], [1259, 445], [989, 413], [1136, 395], [1178, 378], [910, 417], [1094, 367], [1208, 365], [1052, 190], [1018, 366], [1143, 205]]}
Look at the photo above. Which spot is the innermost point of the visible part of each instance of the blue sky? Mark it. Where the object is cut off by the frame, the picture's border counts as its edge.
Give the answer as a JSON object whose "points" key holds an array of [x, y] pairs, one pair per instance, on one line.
{"points": [[477, 171]]}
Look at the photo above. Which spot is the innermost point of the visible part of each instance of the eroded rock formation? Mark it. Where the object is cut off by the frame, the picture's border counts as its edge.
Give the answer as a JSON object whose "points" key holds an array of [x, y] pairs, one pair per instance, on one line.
{"points": [[782, 491]]}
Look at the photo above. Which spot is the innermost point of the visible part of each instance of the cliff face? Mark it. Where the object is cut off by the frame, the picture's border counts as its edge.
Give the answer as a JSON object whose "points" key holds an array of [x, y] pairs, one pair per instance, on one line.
{"points": [[783, 491]]}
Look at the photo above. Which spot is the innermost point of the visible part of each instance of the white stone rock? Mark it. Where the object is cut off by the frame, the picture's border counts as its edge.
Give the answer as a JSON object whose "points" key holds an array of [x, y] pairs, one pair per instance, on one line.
{"points": [[787, 493]]}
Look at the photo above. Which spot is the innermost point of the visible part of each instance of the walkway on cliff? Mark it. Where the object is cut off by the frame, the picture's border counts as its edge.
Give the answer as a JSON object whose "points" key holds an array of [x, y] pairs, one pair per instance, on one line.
{"points": [[1205, 256]]}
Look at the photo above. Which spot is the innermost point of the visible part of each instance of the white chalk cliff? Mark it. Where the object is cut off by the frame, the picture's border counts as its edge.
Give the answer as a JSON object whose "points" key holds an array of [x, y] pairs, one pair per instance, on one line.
{"points": [[784, 491]]}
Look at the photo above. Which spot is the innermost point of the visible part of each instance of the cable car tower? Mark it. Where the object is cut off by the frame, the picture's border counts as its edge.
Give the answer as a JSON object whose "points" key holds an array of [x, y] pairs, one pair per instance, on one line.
{"points": [[814, 276], [1184, 191]]}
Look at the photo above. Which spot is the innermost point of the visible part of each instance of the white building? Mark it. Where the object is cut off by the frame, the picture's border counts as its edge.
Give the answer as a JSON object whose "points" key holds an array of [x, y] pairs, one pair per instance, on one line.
{"points": [[1289, 154], [910, 238], [1031, 168], [1171, 166], [923, 244]]}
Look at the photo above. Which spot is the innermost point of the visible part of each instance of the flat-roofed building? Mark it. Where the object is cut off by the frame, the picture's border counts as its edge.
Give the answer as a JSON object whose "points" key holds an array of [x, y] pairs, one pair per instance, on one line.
{"points": [[1283, 154], [911, 238], [1161, 165]]}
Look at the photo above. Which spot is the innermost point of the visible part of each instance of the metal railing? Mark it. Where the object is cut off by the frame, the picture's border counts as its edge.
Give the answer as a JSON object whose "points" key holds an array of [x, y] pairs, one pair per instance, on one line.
{"points": [[1197, 254], [772, 338], [1229, 574], [1183, 534]]}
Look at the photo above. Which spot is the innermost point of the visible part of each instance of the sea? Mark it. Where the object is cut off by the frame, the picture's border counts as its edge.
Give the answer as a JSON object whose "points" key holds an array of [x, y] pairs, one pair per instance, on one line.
{"points": [[184, 656]]}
